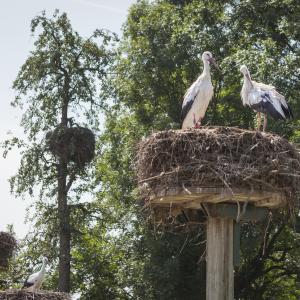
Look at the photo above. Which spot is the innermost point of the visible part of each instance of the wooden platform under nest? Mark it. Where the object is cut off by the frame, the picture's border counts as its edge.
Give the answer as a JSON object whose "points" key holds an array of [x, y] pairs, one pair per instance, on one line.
{"points": [[14, 294], [193, 197]]}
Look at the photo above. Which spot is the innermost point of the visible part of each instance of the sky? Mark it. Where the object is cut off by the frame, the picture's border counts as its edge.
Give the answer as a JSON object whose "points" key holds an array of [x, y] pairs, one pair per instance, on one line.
{"points": [[16, 42]]}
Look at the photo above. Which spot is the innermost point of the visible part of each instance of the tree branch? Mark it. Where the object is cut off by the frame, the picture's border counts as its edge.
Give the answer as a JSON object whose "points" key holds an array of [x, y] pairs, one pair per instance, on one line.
{"points": [[71, 180]]}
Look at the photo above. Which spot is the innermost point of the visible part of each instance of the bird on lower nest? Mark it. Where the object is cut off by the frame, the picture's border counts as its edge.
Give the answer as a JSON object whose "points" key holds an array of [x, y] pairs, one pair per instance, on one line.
{"points": [[34, 281]]}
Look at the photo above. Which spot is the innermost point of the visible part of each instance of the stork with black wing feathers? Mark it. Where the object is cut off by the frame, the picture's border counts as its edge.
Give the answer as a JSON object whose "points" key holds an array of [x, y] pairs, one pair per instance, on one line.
{"points": [[198, 96], [264, 98], [34, 281]]}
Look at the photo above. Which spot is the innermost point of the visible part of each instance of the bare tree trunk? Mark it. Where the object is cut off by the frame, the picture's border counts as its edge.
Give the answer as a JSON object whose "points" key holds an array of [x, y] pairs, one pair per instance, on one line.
{"points": [[63, 209], [64, 230]]}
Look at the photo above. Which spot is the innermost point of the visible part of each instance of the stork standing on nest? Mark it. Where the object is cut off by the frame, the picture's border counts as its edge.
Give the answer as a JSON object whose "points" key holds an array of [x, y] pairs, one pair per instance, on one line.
{"points": [[263, 98], [34, 281], [198, 96]]}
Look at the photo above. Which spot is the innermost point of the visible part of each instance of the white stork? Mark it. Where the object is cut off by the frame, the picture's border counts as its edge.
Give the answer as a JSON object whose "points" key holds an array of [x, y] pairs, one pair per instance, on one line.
{"points": [[34, 281], [198, 96], [263, 98]]}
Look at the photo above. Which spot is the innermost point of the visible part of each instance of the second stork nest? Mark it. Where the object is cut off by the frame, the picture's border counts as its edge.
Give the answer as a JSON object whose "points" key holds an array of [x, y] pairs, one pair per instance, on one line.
{"points": [[218, 157], [40, 295], [75, 144], [7, 246]]}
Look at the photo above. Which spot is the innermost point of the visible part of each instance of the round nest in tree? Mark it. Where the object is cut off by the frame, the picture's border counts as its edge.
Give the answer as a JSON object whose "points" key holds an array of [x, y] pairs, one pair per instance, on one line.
{"points": [[76, 144], [184, 168], [40, 295], [7, 246]]}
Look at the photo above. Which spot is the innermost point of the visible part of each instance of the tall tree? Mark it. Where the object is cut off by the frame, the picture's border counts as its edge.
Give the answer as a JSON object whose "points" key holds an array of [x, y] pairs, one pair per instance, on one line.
{"points": [[58, 82], [160, 57]]}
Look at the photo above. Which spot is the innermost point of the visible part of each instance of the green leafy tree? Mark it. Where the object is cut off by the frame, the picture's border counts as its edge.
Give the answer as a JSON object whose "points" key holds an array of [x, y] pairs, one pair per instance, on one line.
{"points": [[160, 56], [59, 82]]}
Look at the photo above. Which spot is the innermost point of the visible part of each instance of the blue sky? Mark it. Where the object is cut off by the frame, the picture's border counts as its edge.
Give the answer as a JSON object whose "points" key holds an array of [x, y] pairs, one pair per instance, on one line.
{"points": [[16, 42]]}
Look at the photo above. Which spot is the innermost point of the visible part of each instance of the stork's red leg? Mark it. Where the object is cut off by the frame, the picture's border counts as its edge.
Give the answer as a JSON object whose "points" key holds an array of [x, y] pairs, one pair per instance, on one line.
{"points": [[258, 121], [198, 124], [265, 122]]}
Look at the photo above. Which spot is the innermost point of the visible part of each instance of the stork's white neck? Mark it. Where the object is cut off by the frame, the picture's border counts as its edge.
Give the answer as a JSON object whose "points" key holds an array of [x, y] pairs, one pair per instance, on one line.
{"points": [[43, 267], [247, 80], [206, 69], [247, 87]]}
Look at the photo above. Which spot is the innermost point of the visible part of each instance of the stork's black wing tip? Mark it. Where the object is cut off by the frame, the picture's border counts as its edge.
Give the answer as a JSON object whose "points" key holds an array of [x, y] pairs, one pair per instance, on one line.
{"points": [[288, 112], [291, 114], [185, 109], [27, 284]]}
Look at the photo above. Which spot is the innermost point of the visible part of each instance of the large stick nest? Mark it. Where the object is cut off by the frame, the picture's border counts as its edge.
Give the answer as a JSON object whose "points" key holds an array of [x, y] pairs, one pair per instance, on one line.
{"points": [[75, 144], [7, 245], [40, 295], [218, 157]]}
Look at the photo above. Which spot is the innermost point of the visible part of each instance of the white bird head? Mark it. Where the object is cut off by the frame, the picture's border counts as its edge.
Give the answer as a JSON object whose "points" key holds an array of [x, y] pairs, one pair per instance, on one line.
{"points": [[244, 70], [208, 57]]}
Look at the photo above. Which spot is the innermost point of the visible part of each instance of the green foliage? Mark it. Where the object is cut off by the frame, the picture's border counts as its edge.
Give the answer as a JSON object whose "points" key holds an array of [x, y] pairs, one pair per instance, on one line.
{"points": [[159, 57], [63, 64], [270, 254], [174, 269]]}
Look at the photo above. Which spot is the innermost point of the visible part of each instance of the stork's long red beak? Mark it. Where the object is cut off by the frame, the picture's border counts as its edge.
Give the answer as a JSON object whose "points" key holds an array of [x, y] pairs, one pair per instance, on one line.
{"points": [[212, 61]]}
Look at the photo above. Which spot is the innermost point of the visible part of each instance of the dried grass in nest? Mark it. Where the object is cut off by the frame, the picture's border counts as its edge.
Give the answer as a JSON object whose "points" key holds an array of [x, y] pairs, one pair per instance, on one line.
{"points": [[40, 295], [218, 157], [75, 144], [7, 245]]}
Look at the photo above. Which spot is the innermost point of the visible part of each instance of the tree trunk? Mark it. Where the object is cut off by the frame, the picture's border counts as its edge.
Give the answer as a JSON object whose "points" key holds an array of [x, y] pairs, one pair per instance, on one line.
{"points": [[63, 209], [64, 230]]}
